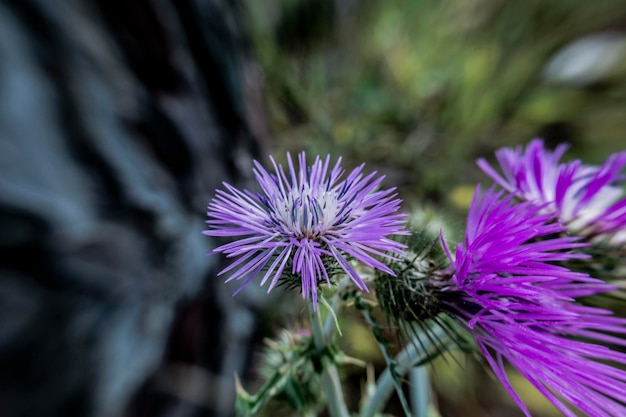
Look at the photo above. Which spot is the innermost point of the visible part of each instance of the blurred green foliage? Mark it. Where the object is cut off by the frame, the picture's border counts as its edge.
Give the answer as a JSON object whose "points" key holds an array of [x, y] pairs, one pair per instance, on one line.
{"points": [[418, 89]]}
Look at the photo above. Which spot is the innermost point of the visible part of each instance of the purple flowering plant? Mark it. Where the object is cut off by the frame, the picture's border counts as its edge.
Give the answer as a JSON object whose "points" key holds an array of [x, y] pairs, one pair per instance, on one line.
{"points": [[306, 218], [589, 199], [513, 285], [521, 306]]}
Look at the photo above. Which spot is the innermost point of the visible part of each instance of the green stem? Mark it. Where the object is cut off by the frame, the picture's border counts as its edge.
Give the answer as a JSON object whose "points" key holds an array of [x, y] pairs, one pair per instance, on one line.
{"points": [[330, 377], [414, 352], [420, 391]]}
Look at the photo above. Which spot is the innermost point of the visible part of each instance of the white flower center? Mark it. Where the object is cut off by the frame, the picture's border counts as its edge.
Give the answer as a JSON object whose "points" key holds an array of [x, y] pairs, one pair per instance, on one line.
{"points": [[307, 212]]}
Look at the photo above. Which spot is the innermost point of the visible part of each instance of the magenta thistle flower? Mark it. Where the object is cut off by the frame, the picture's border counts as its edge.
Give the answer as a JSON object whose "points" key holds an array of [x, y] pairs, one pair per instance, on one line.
{"points": [[302, 220], [507, 288], [588, 199]]}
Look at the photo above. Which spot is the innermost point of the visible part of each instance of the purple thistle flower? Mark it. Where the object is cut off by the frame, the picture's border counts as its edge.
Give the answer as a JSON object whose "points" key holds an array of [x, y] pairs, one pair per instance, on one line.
{"points": [[586, 198], [520, 305], [304, 219]]}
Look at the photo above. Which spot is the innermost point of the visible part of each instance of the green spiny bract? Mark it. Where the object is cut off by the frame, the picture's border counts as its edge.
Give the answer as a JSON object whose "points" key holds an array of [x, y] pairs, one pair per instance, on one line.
{"points": [[412, 295]]}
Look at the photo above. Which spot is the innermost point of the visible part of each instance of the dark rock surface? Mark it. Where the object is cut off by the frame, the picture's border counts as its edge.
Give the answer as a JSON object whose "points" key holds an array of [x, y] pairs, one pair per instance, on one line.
{"points": [[117, 122]]}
